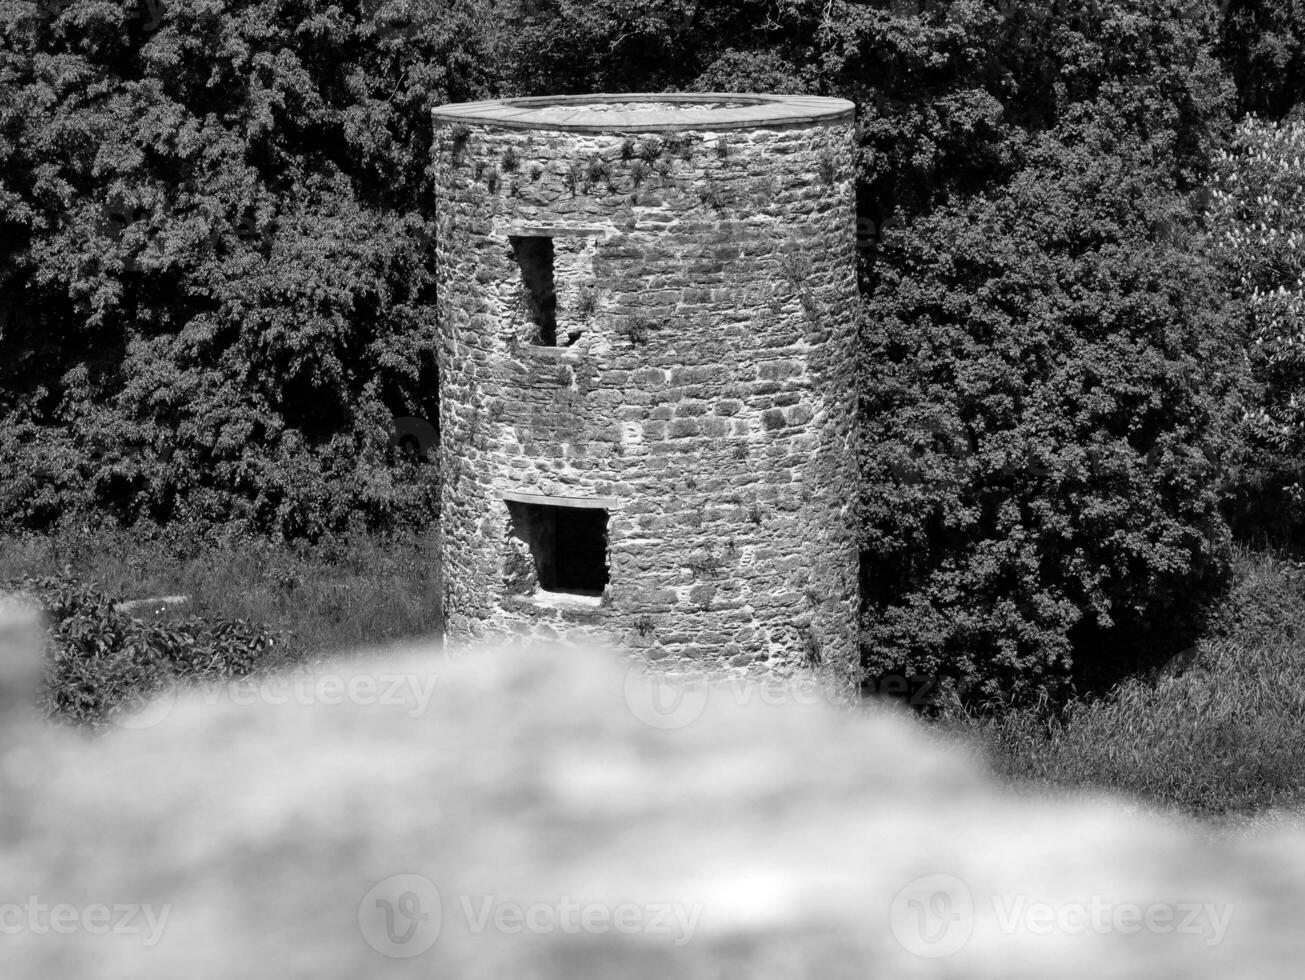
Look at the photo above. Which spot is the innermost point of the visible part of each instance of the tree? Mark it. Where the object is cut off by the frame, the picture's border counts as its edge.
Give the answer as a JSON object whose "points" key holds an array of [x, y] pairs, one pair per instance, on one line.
{"points": [[217, 287], [1256, 229], [1045, 399], [1263, 44], [1049, 371]]}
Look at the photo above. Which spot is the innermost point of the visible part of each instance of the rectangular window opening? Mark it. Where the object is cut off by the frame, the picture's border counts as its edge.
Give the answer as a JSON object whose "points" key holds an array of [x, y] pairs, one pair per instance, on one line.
{"points": [[567, 546], [534, 254]]}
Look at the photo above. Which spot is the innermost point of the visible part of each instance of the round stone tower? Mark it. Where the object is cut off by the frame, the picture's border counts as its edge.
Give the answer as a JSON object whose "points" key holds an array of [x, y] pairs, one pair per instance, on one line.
{"points": [[647, 319]]}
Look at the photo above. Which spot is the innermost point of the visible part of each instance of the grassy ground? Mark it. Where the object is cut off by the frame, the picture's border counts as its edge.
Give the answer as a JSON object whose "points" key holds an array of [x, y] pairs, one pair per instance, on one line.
{"points": [[1224, 739], [337, 595]]}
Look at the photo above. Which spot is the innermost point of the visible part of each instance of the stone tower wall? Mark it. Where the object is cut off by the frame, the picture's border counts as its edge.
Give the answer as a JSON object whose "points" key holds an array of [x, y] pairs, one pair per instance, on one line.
{"points": [[707, 403]]}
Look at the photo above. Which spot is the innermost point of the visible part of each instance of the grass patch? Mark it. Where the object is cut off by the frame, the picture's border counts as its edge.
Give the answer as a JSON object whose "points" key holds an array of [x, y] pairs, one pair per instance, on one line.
{"points": [[103, 661], [1222, 738], [338, 594]]}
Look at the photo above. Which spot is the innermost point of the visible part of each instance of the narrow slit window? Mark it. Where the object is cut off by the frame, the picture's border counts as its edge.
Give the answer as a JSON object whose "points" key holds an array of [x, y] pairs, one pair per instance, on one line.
{"points": [[568, 545], [534, 254]]}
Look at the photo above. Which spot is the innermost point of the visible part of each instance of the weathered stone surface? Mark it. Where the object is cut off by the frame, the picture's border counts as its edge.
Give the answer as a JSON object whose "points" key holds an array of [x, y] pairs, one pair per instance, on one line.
{"points": [[712, 299]]}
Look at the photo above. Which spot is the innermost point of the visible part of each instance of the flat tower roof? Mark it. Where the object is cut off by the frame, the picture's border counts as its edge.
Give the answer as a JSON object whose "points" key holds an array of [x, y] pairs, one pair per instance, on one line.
{"points": [[649, 112]]}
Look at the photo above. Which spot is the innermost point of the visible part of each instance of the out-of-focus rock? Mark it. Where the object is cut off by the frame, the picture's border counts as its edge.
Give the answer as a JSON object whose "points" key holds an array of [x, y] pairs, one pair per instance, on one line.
{"points": [[551, 815]]}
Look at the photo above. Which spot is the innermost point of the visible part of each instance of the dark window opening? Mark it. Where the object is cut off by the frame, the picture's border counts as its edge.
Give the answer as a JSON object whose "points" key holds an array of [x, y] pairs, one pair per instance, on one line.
{"points": [[568, 544], [534, 254]]}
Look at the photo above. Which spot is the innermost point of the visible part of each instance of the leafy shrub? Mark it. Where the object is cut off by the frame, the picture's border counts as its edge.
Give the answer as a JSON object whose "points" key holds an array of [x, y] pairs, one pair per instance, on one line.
{"points": [[637, 330], [1257, 235], [651, 150], [1046, 400], [638, 172], [597, 170], [711, 195], [104, 661], [1220, 738]]}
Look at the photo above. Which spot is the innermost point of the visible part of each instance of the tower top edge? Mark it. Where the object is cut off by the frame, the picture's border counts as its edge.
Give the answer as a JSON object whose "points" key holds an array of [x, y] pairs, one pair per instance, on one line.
{"points": [[649, 112]]}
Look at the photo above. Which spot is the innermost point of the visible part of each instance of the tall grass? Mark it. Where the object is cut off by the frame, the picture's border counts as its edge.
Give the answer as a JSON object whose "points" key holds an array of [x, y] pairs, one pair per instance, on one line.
{"points": [[1226, 736], [343, 593]]}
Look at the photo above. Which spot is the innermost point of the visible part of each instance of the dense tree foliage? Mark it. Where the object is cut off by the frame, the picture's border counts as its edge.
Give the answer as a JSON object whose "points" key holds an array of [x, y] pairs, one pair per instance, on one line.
{"points": [[216, 284], [1256, 226], [1263, 43], [1047, 378]]}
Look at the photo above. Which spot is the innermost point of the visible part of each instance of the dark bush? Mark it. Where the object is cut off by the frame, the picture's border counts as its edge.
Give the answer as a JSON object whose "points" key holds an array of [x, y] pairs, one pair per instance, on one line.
{"points": [[1218, 737], [1048, 375], [104, 661], [217, 260], [1263, 44]]}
